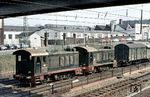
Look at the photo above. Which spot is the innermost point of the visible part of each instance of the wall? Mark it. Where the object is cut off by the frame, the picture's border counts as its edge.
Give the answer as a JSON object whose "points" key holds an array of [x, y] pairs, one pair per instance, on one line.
{"points": [[7, 67], [35, 40], [14, 40], [142, 35]]}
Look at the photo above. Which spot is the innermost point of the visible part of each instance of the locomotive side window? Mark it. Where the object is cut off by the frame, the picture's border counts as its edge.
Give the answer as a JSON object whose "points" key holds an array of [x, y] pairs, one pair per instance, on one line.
{"points": [[94, 58], [61, 61], [54, 61], [145, 53], [106, 55], [66, 60], [44, 58], [75, 59], [103, 58], [71, 60], [91, 58], [98, 57], [109, 55], [141, 53], [19, 57]]}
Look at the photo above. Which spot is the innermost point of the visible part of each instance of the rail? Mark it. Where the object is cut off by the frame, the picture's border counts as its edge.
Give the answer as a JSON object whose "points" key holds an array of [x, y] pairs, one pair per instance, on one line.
{"points": [[65, 85]]}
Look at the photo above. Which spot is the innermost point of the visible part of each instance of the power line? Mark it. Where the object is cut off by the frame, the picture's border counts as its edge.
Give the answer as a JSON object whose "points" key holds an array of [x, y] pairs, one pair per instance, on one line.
{"points": [[76, 16], [50, 5], [97, 12], [63, 20]]}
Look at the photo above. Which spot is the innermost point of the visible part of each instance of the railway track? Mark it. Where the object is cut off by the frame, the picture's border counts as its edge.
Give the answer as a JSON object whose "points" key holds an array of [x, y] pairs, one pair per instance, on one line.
{"points": [[112, 90], [65, 85]]}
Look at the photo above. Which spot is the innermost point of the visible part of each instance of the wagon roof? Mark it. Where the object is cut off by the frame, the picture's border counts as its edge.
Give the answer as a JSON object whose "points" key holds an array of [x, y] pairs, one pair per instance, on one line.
{"points": [[62, 52], [147, 44], [87, 48], [133, 45], [32, 52]]}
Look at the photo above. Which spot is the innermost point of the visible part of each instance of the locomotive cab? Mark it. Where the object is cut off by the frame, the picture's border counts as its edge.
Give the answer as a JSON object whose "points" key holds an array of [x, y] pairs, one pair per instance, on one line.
{"points": [[29, 64], [86, 58]]}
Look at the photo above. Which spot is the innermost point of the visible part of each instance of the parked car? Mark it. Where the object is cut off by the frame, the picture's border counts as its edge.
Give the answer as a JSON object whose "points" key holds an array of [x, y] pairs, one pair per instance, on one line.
{"points": [[11, 46], [24, 46], [3, 47], [17, 46]]}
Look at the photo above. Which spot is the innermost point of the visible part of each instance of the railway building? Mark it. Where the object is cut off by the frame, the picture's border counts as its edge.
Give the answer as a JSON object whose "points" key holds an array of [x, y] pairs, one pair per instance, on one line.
{"points": [[66, 36], [11, 34]]}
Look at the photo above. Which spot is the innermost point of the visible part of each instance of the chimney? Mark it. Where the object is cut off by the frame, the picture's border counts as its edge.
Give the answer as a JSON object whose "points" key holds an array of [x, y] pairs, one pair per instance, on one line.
{"points": [[64, 38], [74, 38], [1, 31], [120, 21], [46, 39], [112, 25]]}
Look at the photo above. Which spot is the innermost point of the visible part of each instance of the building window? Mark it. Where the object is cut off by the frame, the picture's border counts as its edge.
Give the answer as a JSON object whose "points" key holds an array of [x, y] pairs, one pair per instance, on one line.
{"points": [[10, 36], [4, 36], [16, 36], [47, 34]]}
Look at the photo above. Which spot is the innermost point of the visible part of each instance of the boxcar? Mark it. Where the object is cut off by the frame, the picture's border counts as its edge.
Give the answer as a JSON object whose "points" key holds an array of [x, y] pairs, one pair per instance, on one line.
{"points": [[130, 53]]}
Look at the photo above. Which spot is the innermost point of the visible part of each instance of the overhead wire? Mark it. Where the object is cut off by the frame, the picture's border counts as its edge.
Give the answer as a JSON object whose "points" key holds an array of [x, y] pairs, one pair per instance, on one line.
{"points": [[62, 20], [97, 12], [41, 4], [71, 8]]}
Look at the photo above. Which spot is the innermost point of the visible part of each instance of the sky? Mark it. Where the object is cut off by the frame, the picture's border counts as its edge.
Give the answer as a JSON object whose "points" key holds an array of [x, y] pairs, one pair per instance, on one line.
{"points": [[87, 17]]}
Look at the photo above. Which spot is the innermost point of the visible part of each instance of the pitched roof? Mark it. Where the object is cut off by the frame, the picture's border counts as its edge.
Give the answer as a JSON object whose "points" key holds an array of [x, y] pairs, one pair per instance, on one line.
{"points": [[20, 28], [102, 27], [32, 52], [88, 49], [132, 45]]}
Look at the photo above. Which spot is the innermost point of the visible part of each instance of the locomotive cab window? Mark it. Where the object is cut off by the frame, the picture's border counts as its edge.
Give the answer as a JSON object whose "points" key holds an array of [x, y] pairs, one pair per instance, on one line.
{"points": [[91, 58], [44, 59], [19, 58]]}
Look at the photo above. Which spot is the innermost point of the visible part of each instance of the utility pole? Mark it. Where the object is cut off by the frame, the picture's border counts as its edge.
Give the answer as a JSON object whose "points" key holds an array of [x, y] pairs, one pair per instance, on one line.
{"points": [[25, 30], [1, 31], [141, 22]]}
